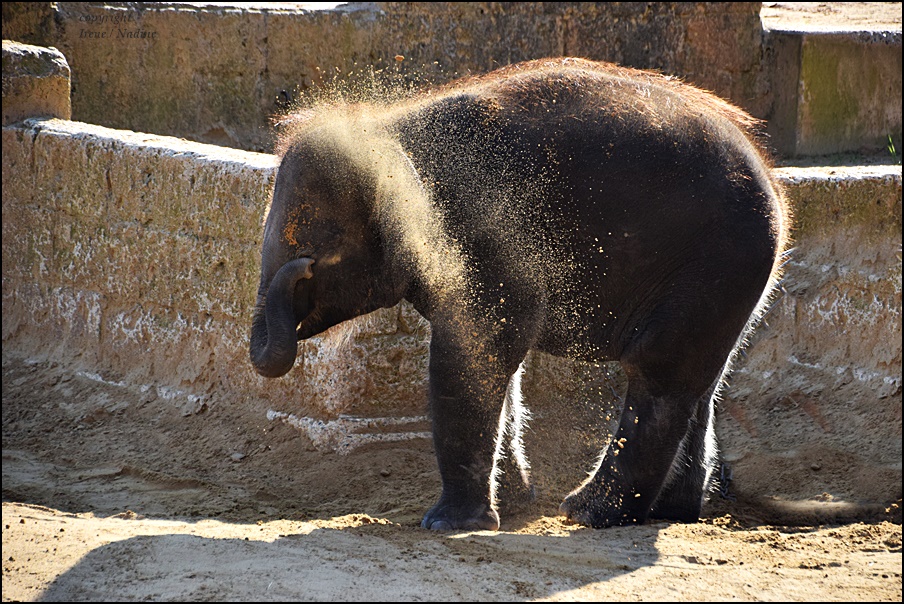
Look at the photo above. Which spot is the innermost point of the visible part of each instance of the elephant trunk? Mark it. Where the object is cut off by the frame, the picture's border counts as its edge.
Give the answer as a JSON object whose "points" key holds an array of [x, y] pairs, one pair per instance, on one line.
{"points": [[274, 343]]}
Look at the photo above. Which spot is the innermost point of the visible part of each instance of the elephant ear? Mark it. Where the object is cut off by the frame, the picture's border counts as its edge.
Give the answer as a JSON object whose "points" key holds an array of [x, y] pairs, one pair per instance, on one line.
{"points": [[414, 226]]}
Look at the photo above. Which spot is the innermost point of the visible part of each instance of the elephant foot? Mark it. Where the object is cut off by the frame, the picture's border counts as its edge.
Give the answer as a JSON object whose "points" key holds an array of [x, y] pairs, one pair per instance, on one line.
{"points": [[450, 516], [602, 502], [686, 511], [578, 510]]}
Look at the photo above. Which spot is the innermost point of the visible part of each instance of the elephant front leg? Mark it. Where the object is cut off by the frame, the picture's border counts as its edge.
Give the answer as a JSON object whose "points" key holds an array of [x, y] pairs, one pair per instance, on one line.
{"points": [[514, 491], [466, 399]]}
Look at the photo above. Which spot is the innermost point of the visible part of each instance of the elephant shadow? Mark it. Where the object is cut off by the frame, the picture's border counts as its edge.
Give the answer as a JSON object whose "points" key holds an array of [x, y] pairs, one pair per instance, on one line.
{"points": [[369, 562]]}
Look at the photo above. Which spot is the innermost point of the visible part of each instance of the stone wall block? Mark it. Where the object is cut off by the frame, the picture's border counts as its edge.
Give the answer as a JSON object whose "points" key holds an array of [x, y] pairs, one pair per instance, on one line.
{"points": [[35, 82]]}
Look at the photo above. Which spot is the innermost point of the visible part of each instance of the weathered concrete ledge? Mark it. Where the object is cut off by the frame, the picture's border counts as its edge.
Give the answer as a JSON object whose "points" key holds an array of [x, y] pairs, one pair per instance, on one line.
{"points": [[139, 255], [136, 257], [35, 83]]}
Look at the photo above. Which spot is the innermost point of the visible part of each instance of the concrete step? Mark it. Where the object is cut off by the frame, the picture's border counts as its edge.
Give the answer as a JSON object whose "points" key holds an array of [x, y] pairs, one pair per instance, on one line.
{"points": [[836, 76]]}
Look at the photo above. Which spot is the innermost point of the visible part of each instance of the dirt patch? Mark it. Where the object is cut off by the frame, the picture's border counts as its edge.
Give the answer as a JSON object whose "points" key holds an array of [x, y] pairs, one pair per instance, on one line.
{"points": [[118, 492], [832, 16]]}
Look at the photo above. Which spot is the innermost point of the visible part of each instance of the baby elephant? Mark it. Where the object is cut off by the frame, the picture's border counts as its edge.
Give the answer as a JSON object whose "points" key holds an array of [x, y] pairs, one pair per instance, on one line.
{"points": [[578, 208]]}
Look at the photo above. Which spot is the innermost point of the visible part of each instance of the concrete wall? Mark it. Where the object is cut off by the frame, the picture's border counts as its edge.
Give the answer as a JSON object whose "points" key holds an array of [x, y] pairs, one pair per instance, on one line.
{"points": [[137, 256], [140, 255], [214, 74], [835, 92], [817, 401]]}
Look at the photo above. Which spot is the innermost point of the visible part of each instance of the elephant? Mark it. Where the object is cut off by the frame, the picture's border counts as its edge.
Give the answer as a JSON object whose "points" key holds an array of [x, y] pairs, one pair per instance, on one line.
{"points": [[578, 208]]}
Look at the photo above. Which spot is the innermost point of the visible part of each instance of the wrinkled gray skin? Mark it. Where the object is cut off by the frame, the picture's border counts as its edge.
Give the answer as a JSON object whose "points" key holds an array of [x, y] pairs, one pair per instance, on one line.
{"points": [[591, 211]]}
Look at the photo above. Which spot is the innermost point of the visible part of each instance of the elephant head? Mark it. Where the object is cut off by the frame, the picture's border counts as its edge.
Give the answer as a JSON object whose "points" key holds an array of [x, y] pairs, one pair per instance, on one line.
{"points": [[322, 260]]}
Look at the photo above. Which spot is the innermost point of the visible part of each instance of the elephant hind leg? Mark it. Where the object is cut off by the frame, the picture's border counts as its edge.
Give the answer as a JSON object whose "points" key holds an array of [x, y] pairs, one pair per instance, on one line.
{"points": [[661, 453], [637, 461], [690, 477]]}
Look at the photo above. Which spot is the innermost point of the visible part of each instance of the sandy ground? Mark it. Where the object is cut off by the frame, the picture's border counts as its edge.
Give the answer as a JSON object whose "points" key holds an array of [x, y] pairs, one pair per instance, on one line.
{"points": [[111, 493]]}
